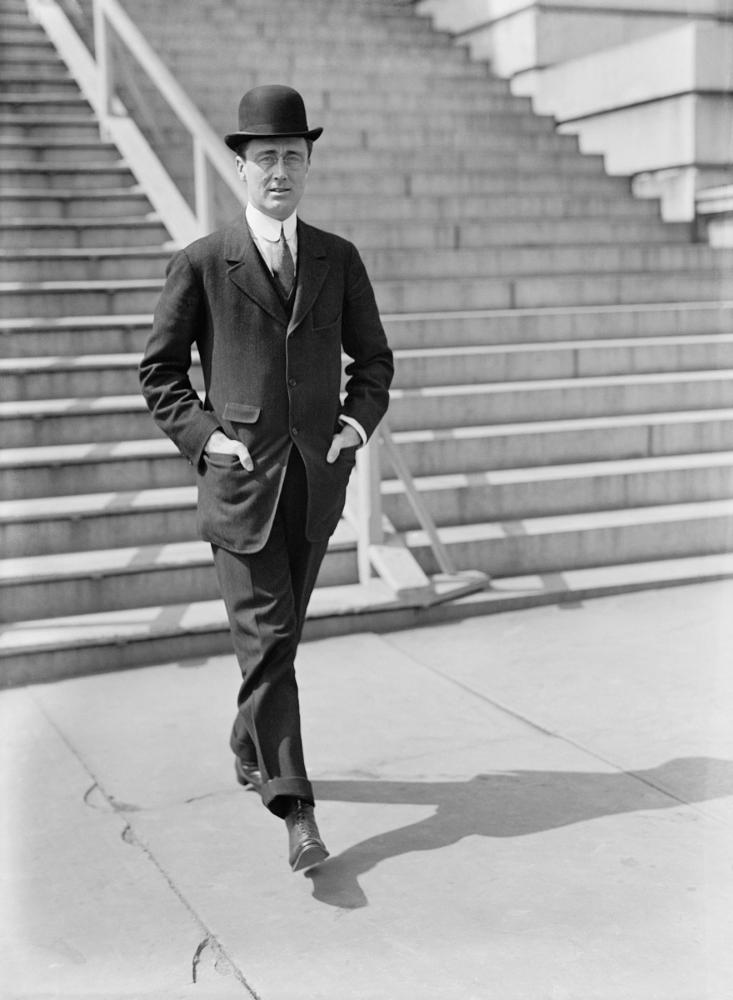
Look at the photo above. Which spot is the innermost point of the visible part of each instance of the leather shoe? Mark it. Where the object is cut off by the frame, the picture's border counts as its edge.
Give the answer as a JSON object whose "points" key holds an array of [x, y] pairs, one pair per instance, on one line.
{"points": [[248, 773], [306, 847]]}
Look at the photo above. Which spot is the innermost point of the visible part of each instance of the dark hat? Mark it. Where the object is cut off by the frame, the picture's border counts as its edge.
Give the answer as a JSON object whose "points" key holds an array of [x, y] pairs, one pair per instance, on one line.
{"points": [[272, 110]]}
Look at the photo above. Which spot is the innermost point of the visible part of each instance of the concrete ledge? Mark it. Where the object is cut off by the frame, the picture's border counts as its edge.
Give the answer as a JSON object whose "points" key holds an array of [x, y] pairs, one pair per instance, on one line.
{"points": [[32, 653]]}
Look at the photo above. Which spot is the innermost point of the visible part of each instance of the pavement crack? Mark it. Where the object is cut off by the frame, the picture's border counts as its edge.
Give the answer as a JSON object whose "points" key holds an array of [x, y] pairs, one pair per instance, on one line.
{"points": [[197, 958], [96, 789]]}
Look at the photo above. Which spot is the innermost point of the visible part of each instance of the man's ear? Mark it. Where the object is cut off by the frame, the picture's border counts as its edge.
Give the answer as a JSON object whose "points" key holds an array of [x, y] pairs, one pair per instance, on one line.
{"points": [[239, 163]]}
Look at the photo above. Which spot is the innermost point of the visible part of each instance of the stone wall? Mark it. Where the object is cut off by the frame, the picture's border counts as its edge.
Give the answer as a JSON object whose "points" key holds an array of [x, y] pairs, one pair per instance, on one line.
{"points": [[649, 84]]}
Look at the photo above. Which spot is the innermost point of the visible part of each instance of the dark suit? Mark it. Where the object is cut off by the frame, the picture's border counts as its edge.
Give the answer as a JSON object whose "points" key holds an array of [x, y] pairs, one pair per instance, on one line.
{"points": [[272, 372]]}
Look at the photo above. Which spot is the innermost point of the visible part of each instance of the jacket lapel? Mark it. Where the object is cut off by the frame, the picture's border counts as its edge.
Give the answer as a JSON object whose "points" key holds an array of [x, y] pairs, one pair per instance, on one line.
{"points": [[247, 271], [312, 271]]}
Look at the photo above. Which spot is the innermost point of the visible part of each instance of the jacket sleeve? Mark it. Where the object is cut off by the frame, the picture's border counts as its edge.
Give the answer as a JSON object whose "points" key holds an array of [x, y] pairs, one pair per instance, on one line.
{"points": [[369, 374], [164, 369]]}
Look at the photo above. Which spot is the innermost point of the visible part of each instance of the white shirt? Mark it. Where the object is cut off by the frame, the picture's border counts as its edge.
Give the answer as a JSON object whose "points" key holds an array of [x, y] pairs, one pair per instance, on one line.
{"points": [[266, 233]]}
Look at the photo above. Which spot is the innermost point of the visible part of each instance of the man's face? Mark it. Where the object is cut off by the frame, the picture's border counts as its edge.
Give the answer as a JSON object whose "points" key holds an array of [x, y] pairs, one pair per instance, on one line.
{"points": [[274, 171]]}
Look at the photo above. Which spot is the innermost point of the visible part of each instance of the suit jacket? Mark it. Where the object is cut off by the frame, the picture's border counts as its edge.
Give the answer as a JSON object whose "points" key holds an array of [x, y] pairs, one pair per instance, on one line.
{"points": [[271, 380]]}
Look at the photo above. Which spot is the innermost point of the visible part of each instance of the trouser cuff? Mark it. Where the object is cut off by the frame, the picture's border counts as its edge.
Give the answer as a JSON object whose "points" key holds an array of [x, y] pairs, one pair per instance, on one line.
{"points": [[277, 794]]}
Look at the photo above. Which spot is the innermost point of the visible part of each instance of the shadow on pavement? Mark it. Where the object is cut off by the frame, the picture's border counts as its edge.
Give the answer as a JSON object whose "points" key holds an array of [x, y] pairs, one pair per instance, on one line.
{"points": [[505, 804]]}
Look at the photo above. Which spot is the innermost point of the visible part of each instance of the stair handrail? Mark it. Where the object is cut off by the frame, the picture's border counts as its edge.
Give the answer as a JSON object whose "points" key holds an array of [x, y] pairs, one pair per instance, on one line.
{"points": [[209, 149]]}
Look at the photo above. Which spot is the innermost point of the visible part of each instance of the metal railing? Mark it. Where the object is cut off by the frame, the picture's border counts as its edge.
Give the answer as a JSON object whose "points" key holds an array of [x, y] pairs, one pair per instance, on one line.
{"points": [[210, 155]]}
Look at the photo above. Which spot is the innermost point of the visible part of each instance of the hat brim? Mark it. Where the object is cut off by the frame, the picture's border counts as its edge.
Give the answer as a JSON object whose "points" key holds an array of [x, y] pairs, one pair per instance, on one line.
{"points": [[235, 139]]}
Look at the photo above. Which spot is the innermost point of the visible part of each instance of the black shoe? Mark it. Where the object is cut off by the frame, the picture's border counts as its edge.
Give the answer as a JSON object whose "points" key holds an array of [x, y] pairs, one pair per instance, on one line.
{"points": [[248, 773], [306, 847]]}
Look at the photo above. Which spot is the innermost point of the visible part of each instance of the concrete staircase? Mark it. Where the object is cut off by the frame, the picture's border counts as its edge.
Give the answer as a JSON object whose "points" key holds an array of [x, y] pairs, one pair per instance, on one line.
{"points": [[563, 393]]}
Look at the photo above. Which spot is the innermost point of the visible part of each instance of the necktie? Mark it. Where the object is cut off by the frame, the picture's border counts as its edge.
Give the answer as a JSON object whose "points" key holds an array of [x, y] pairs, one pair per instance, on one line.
{"points": [[282, 264]]}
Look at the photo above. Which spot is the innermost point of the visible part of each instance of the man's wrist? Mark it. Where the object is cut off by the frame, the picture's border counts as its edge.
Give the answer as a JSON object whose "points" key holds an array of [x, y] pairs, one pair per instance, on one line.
{"points": [[351, 422]]}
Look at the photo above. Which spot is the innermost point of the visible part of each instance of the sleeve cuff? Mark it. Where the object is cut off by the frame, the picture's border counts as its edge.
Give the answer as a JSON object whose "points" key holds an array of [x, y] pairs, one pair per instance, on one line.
{"points": [[356, 425]]}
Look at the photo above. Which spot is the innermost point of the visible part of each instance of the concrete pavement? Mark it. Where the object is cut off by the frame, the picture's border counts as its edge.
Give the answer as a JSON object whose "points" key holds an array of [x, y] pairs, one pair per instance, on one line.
{"points": [[535, 805]]}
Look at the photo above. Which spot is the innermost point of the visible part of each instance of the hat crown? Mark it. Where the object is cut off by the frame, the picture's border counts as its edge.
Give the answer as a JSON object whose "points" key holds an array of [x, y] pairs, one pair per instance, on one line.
{"points": [[272, 110]]}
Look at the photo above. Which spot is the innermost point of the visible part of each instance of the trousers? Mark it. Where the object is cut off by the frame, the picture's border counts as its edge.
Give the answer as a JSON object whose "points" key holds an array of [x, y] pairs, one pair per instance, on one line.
{"points": [[266, 595]]}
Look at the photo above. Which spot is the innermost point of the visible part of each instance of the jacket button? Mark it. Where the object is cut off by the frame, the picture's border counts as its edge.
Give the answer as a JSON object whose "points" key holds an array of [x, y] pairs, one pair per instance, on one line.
{"points": [[294, 431], [292, 382]]}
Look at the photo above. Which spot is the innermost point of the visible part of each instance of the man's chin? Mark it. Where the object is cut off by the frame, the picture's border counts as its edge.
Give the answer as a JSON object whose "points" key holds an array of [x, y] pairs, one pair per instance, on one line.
{"points": [[280, 208]]}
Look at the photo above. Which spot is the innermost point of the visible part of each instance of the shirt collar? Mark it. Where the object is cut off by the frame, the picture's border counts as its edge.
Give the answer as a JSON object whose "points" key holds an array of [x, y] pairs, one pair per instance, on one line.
{"points": [[266, 228]]}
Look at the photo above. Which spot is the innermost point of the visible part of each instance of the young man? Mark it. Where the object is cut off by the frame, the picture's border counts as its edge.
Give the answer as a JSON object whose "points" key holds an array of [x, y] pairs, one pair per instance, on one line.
{"points": [[270, 303]]}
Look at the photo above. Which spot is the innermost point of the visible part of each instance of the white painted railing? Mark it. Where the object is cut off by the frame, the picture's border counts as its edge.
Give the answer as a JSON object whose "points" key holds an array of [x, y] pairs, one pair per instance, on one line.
{"points": [[210, 154]]}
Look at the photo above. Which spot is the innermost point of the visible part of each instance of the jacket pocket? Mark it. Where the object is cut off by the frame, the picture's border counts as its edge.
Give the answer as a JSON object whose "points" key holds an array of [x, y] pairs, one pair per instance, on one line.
{"points": [[241, 413]]}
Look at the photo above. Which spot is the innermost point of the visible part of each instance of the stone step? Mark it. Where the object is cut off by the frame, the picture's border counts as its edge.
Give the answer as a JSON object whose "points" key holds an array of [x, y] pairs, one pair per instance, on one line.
{"points": [[355, 101], [329, 211], [36, 47], [415, 34], [14, 9], [73, 152], [343, 142], [70, 127], [79, 298], [84, 298], [52, 649], [154, 462], [286, 66], [406, 235], [111, 580], [542, 260], [19, 33], [19, 62], [579, 541], [114, 579], [81, 523], [510, 118], [74, 421], [60, 82], [125, 231], [508, 495], [36, 423], [55, 377], [62, 470], [46, 103], [505, 157], [526, 291], [27, 338], [43, 203], [70, 336], [468, 449], [78, 265], [18, 176], [84, 377], [413, 183], [546, 324], [555, 399]]}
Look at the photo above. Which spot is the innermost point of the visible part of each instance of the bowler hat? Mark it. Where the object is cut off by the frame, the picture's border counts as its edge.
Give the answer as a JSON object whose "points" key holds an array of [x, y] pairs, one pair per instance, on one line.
{"points": [[269, 111]]}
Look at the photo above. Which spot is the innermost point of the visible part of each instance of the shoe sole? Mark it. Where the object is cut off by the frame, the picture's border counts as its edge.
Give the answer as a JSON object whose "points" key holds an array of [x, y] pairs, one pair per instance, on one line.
{"points": [[309, 856]]}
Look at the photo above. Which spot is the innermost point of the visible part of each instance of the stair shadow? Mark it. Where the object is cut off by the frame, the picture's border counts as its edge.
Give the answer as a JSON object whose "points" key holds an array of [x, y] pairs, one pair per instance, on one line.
{"points": [[505, 804]]}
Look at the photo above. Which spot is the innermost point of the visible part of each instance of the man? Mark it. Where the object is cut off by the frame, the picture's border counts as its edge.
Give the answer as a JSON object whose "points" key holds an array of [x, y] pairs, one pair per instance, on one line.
{"points": [[270, 303]]}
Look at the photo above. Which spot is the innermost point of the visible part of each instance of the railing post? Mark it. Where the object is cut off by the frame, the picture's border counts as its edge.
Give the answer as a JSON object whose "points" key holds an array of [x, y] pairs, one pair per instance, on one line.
{"points": [[203, 192], [105, 68], [370, 529]]}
